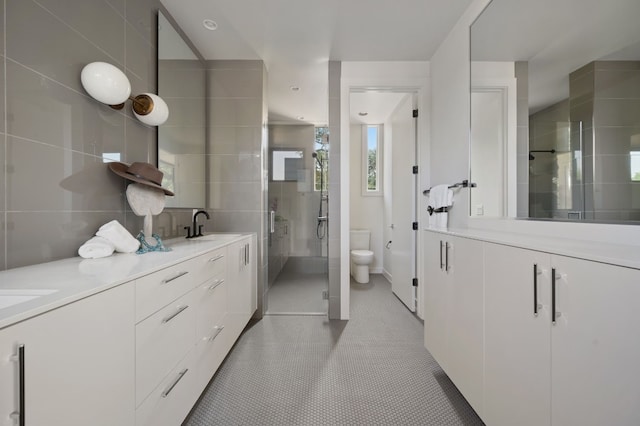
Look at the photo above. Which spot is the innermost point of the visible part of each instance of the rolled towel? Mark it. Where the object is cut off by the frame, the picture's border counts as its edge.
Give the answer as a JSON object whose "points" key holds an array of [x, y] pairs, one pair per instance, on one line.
{"points": [[118, 235], [95, 248]]}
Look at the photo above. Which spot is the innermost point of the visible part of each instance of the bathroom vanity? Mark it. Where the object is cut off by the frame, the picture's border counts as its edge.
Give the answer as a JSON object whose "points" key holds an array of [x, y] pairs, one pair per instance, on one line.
{"points": [[124, 340], [535, 330]]}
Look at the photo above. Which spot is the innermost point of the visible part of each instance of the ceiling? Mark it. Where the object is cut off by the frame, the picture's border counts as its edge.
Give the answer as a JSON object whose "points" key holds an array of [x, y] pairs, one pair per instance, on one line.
{"points": [[297, 38]]}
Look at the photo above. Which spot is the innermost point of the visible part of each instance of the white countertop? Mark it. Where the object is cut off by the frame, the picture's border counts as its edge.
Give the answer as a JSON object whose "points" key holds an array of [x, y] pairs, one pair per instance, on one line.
{"points": [[76, 278], [613, 254]]}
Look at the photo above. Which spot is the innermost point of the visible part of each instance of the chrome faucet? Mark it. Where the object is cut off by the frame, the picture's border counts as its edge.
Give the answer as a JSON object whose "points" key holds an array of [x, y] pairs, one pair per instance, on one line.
{"points": [[197, 229]]}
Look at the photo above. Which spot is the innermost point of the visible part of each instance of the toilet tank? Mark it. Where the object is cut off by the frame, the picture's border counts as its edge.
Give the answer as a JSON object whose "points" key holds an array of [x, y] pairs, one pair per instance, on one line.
{"points": [[359, 239]]}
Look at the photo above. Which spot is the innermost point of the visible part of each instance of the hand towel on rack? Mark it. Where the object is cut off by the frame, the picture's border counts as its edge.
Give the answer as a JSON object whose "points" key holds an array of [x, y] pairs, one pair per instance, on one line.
{"points": [[95, 248], [440, 199], [121, 239]]}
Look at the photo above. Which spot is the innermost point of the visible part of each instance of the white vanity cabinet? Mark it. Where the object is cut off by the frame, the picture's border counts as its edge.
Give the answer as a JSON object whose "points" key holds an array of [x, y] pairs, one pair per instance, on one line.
{"points": [[581, 368], [454, 311], [78, 363]]}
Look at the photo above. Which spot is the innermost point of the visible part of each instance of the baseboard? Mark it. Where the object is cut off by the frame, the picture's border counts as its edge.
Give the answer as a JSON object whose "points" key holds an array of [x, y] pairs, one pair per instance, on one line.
{"points": [[386, 274], [375, 270]]}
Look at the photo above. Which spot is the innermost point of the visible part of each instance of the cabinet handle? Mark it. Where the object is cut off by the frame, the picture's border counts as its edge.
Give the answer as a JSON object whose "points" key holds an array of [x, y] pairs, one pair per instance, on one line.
{"points": [[20, 414], [215, 285], [441, 264], [218, 257], [218, 329], [175, 314], [446, 256], [248, 253], [553, 296], [535, 289], [168, 390], [175, 277]]}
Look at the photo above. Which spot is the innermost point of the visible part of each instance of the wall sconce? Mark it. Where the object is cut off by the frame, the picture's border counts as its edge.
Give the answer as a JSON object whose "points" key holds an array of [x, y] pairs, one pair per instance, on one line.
{"points": [[108, 84]]}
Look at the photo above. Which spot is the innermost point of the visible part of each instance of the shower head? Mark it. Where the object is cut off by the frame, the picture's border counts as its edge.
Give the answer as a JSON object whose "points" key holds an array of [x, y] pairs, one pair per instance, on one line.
{"points": [[318, 159]]}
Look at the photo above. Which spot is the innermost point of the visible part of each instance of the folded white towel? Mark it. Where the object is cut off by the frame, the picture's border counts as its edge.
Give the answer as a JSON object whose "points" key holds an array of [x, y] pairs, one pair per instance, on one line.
{"points": [[118, 235], [440, 196], [95, 248]]}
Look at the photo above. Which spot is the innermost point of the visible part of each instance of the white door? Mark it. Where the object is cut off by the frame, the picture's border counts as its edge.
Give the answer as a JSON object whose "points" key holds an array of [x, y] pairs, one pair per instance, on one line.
{"points": [[403, 157]]}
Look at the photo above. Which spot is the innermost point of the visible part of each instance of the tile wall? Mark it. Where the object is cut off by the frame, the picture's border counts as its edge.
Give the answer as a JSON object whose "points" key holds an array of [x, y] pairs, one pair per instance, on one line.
{"points": [[335, 300], [55, 190]]}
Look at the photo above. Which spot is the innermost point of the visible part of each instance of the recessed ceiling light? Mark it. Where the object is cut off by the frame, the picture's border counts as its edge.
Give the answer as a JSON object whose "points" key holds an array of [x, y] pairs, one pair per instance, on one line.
{"points": [[300, 117], [294, 88], [210, 24], [363, 114]]}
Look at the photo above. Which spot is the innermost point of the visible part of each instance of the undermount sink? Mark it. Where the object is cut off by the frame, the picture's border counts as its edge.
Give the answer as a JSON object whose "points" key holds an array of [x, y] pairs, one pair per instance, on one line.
{"points": [[216, 237], [10, 297]]}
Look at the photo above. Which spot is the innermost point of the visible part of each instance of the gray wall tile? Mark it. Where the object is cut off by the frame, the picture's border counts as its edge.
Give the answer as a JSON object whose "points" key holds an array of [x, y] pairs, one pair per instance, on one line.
{"points": [[235, 112], [37, 237], [43, 110], [46, 178], [234, 140], [141, 59], [47, 45], [140, 142], [94, 19], [142, 15], [235, 83], [235, 168]]}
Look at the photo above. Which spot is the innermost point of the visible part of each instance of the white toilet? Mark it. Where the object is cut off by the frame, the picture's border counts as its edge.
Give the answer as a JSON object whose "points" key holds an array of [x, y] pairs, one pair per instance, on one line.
{"points": [[361, 256]]}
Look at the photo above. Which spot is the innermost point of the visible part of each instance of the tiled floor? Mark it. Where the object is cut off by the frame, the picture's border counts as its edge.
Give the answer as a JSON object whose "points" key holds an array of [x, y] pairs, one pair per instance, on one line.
{"points": [[307, 370], [298, 288]]}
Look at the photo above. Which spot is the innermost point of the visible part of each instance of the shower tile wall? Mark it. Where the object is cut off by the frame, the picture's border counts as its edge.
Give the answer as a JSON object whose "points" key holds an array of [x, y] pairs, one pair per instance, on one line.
{"points": [[55, 190], [236, 159], [616, 134]]}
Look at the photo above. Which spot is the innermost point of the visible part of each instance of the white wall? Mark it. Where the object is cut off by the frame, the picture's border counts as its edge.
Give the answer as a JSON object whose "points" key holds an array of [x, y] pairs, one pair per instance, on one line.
{"points": [[449, 146], [387, 215], [365, 212]]}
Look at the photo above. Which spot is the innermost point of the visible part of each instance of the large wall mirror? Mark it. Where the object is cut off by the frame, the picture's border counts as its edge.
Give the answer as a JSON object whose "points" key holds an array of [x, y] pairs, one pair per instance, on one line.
{"points": [[181, 140], [555, 110]]}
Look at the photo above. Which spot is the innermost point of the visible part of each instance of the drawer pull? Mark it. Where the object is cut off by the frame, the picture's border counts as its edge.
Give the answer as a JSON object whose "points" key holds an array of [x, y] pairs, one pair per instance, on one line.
{"points": [[19, 416], [215, 284], [175, 314], [218, 257], [175, 277], [168, 390], [218, 329]]}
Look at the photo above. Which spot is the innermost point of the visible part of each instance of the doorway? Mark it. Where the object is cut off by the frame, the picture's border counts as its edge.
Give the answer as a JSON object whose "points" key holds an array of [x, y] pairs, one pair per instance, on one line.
{"points": [[298, 220], [388, 208]]}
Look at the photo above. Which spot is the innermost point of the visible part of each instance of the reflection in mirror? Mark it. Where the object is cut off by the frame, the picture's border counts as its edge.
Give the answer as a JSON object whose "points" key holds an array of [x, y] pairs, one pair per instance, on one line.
{"points": [[287, 165], [575, 65], [181, 140]]}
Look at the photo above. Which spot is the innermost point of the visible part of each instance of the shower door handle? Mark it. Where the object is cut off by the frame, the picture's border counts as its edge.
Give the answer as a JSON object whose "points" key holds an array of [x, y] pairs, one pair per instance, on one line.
{"points": [[272, 221]]}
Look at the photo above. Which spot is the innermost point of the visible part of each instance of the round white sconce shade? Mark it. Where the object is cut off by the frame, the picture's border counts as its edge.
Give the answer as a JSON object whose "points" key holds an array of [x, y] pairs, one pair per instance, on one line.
{"points": [[150, 109], [105, 83]]}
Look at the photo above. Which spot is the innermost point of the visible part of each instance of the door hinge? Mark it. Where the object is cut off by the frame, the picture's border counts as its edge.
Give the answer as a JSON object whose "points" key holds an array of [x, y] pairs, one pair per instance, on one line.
{"points": [[415, 113], [415, 226], [415, 282], [414, 169]]}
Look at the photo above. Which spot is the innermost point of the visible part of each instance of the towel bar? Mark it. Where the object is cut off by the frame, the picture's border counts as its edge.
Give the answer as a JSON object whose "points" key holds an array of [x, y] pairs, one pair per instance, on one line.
{"points": [[464, 184]]}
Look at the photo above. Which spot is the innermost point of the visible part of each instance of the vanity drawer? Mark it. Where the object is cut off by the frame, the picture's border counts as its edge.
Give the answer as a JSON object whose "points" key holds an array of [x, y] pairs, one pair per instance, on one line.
{"points": [[210, 265], [161, 341], [156, 290], [213, 346], [171, 400], [212, 304]]}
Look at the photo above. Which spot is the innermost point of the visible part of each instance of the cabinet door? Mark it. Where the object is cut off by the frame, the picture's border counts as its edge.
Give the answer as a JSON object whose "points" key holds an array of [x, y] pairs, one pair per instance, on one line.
{"points": [[79, 363], [595, 345], [465, 314], [241, 289], [436, 298], [517, 341]]}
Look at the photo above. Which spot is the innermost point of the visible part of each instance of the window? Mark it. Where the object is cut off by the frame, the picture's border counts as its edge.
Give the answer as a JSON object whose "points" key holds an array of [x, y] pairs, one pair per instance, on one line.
{"points": [[321, 169], [286, 163], [372, 160], [635, 165]]}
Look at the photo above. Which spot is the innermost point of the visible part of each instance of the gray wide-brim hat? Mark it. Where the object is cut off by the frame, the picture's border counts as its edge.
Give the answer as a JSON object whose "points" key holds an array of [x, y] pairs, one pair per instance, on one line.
{"points": [[144, 173]]}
